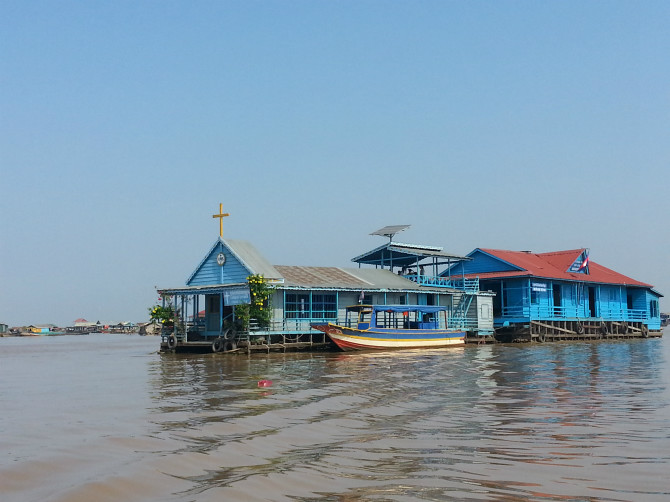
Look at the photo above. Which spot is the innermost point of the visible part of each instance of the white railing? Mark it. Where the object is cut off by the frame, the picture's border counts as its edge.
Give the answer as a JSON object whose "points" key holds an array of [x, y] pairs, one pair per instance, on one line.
{"points": [[467, 285]]}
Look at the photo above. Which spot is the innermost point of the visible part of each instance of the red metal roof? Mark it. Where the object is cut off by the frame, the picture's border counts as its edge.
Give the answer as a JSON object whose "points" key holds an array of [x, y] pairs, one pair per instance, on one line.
{"points": [[555, 265]]}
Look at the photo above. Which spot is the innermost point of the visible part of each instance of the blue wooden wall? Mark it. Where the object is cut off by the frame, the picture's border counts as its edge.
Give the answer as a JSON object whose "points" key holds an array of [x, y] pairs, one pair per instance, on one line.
{"points": [[524, 299], [209, 272], [481, 263]]}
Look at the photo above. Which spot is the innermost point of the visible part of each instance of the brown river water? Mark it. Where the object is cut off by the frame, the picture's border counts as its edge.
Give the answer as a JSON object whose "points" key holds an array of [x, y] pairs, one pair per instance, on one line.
{"points": [[107, 418]]}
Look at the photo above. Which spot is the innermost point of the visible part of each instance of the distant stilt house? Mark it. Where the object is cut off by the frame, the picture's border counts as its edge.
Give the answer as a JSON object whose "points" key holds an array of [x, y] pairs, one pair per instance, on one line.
{"points": [[81, 325], [561, 294], [303, 295]]}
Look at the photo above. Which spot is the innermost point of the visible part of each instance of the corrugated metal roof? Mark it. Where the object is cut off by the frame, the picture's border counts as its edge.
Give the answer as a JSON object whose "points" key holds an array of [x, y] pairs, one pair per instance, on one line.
{"points": [[252, 259], [318, 276], [401, 254], [554, 265], [421, 247], [350, 278], [383, 279], [305, 277]]}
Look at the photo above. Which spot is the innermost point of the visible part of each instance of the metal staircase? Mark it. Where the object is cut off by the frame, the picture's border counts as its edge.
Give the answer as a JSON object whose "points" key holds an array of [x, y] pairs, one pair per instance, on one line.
{"points": [[459, 315]]}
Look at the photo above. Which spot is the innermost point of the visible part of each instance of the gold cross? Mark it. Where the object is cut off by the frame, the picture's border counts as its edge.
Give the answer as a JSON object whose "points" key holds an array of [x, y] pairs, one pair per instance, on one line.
{"points": [[220, 216]]}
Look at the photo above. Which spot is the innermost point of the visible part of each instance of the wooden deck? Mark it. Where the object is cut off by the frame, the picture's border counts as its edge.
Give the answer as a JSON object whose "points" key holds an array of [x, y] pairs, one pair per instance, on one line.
{"points": [[556, 331], [534, 332], [247, 344]]}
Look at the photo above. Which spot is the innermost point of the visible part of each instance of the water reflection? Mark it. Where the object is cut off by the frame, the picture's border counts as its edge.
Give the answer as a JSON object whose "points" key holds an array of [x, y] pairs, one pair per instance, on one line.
{"points": [[107, 418], [546, 422]]}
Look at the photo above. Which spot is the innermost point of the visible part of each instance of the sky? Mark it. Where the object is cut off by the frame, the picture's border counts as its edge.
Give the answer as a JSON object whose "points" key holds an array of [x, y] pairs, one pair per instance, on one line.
{"points": [[517, 125]]}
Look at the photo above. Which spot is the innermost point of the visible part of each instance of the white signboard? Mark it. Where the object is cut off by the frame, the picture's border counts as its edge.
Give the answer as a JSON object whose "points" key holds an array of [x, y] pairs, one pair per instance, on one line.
{"points": [[540, 287]]}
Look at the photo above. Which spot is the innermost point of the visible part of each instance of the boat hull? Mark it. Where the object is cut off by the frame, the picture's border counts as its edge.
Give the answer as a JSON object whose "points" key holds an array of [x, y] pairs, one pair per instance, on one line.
{"points": [[348, 339]]}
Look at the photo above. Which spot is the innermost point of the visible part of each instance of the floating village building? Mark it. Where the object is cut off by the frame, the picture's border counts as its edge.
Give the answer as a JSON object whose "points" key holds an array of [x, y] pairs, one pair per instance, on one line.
{"points": [[561, 295], [491, 294], [403, 274]]}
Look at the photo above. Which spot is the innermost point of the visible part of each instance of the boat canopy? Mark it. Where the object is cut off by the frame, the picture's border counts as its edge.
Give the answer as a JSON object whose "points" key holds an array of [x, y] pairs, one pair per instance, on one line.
{"points": [[426, 309]]}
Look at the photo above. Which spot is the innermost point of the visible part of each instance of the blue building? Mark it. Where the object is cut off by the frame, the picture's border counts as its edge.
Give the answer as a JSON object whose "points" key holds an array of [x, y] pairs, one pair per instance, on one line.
{"points": [[561, 294]]}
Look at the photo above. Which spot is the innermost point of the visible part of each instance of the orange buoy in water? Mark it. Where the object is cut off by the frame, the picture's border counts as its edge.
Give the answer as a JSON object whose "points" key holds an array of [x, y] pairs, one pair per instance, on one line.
{"points": [[264, 383]]}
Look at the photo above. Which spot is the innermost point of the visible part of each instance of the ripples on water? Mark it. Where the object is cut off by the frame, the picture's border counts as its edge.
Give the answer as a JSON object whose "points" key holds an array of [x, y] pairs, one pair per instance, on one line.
{"points": [[107, 418]]}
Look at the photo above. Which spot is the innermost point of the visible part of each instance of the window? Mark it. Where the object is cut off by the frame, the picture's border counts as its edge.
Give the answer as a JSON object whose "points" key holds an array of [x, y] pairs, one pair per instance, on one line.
{"points": [[296, 306], [653, 308], [614, 295], [323, 306]]}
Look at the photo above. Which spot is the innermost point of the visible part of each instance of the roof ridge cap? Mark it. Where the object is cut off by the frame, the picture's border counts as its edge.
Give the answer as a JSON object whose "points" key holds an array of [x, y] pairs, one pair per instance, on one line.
{"points": [[565, 251]]}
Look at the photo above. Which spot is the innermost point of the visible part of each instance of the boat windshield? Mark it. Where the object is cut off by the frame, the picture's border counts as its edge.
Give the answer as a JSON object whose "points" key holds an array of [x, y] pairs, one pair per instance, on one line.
{"points": [[396, 316], [358, 315]]}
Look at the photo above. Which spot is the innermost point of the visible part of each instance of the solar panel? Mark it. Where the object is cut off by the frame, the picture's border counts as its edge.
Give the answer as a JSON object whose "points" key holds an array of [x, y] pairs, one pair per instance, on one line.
{"points": [[391, 230]]}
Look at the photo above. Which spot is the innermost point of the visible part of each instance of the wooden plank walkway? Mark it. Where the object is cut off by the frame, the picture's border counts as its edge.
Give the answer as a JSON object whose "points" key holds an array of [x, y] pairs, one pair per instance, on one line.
{"points": [[249, 345]]}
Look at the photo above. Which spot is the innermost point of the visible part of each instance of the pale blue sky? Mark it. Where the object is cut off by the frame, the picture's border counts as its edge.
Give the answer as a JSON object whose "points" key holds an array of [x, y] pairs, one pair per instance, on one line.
{"points": [[515, 125]]}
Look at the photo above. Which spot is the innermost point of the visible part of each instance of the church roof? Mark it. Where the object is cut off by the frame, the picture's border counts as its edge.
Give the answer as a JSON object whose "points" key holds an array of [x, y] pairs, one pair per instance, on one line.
{"points": [[343, 278], [244, 259], [254, 261]]}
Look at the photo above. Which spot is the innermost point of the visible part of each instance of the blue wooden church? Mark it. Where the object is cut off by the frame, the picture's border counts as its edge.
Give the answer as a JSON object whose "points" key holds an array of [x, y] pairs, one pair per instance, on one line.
{"points": [[562, 294]]}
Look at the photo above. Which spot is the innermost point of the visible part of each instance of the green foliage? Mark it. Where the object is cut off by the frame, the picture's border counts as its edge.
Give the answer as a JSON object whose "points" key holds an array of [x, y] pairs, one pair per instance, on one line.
{"points": [[259, 309], [163, 315], [242, 316]]}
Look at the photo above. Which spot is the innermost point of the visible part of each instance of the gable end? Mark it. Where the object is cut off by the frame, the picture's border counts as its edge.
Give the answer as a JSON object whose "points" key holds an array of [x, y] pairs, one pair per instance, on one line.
{"points": [[481, 263], [209, 272]]}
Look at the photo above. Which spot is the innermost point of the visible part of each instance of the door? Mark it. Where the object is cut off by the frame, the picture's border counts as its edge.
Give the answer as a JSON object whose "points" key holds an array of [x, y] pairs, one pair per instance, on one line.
{"points": [[557, 290], [497, 299], [213, 313]]}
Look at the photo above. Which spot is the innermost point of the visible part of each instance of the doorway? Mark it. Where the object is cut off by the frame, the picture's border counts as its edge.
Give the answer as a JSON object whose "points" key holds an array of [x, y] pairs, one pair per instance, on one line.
{"points": [[556, 291], [212, 313]]}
